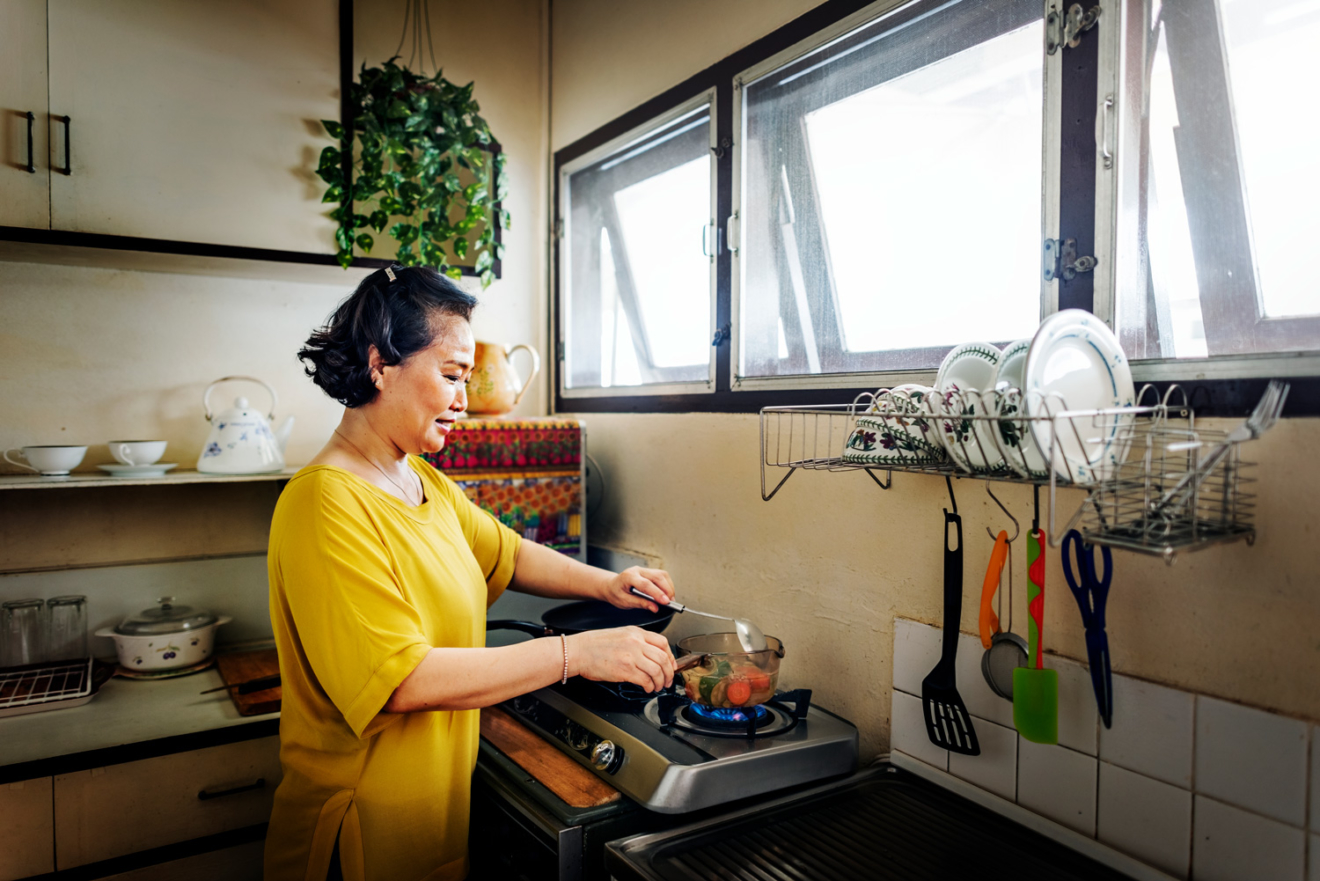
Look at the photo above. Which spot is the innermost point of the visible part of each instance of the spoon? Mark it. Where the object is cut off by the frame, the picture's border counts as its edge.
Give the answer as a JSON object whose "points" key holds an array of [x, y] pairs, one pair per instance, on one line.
{"points": [[749, 635]]}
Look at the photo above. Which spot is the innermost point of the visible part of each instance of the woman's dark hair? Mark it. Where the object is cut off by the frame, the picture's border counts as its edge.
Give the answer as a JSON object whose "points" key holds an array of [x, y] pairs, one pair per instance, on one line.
{"points": [[396, 316]]}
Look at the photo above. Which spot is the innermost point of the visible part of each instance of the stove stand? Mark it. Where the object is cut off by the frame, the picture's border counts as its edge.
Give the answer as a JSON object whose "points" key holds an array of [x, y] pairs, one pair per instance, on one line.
{"points": [[655, 754]]}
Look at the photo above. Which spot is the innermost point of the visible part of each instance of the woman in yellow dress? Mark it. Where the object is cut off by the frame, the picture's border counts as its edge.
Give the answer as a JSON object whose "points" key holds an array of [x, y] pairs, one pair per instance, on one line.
{"points": [[381, 572]]}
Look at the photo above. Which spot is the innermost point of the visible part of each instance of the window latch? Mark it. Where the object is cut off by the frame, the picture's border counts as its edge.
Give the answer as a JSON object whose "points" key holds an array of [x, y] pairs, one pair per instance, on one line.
{"points": [[1066, 29], [722, 334], [1061, 261]]}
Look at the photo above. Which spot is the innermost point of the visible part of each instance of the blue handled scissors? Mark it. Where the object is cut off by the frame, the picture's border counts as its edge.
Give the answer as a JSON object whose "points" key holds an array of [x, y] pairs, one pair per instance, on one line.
{"points": [[1091, 594]]}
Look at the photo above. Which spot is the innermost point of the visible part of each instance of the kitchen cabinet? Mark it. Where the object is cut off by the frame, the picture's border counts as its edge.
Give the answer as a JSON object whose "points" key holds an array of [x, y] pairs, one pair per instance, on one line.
{"points": [[187, 122], [242, 862], [134, 806], [24, 195], [29, 832]]}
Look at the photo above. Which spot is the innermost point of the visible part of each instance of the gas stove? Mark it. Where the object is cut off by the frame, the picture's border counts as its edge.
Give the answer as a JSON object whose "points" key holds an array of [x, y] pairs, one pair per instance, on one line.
{"points": [[672, 756]]}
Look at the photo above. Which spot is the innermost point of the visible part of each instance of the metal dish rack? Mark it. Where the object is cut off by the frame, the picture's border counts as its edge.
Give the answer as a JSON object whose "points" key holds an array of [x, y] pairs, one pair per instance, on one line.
{"points": [[1150, 451], [40, 687]]}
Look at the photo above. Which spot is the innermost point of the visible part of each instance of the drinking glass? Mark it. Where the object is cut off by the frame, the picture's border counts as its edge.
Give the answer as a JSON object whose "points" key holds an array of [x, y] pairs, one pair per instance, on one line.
{"points": [[23, 625], [67, 638]]}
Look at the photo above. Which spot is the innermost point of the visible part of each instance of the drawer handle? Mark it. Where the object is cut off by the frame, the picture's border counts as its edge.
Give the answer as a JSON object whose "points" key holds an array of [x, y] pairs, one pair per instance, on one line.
{"points": [[31, 166], [207, 794], [68, 147]]}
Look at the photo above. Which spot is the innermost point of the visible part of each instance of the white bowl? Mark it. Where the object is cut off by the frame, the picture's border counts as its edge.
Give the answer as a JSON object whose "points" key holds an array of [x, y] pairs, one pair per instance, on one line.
{"points": [[165, 651]]}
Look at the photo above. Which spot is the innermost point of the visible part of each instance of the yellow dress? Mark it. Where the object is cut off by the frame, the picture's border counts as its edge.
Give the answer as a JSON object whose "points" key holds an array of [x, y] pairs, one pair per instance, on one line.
{"points": [[362, 586]]}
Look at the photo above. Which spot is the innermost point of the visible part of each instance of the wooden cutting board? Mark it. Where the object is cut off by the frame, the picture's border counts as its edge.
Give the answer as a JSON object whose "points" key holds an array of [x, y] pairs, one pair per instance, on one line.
{"points": [[573, 783], [239, 667]]}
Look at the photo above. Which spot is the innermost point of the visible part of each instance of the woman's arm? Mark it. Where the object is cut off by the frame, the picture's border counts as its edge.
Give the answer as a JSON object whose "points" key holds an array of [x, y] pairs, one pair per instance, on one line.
{"points": [[547, 573], [465, 679]]}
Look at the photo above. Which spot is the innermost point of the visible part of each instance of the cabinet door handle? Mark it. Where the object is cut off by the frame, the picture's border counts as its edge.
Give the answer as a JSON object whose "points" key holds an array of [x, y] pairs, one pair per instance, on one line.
{"points": [[207, 794], [68, 162], [31, 166]]}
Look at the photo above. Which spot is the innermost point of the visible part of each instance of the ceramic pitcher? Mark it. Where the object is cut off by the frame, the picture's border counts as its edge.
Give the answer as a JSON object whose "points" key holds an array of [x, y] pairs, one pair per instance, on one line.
{"points": [[495, 388]]}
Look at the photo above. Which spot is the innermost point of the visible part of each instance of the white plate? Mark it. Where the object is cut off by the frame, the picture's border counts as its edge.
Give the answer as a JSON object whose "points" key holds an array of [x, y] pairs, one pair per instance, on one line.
{"points": [[1013, 436], [967, 372], [1076, 363], [157, 470]]}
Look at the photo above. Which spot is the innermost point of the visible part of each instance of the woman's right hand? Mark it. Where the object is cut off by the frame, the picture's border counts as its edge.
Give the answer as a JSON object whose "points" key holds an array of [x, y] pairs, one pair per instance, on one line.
{"points": [[622, 654]]}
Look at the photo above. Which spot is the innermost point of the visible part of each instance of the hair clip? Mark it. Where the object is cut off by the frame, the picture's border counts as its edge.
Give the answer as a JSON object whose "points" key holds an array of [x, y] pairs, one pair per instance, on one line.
{"points": [[389, 272]]}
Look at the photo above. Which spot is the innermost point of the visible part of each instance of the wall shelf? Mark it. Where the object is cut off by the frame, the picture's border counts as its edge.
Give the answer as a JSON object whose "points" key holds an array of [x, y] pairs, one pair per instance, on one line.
{"points": [[174, 478]]}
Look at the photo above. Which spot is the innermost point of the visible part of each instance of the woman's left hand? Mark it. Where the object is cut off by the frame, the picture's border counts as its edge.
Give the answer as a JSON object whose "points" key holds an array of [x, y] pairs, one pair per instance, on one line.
{"points": [[652, 582]]}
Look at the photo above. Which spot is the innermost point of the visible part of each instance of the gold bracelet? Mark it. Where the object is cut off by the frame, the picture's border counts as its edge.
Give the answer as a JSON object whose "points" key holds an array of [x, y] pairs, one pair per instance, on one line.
{"points": [[564, 641]]}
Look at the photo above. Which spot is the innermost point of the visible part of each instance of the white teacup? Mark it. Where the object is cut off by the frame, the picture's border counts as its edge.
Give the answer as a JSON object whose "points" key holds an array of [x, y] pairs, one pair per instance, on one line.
{"points": [[137, 452], [52, 461]]}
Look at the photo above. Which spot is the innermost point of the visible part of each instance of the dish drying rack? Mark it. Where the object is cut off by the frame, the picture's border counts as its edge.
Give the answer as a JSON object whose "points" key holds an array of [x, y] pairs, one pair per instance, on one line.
{"points": [[1141, 499], [39, 687]]}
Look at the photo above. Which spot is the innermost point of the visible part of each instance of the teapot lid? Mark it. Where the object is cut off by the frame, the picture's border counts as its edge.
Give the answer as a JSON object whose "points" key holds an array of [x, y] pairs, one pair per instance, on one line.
{"points": [[166, 618]]}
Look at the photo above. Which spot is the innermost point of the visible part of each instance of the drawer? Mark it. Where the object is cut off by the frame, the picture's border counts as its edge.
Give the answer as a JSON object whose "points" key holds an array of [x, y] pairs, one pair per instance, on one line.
{"points": [[121, 809], [28, 831], [242, 862]]}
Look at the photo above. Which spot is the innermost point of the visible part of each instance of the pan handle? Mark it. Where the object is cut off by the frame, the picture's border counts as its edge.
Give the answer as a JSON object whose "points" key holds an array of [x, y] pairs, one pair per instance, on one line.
{"points": [[528, 627]]}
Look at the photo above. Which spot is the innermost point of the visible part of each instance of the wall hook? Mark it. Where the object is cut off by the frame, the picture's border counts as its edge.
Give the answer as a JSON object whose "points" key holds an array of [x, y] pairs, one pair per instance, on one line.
{"points": [[1017, 530]]}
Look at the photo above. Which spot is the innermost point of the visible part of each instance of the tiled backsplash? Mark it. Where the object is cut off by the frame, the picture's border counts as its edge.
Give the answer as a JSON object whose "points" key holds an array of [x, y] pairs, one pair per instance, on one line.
{"points": [[1191, 785]]}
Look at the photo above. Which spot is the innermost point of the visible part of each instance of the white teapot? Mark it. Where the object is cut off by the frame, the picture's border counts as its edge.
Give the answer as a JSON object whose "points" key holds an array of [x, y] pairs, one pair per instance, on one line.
{"points": [[241, 440]]}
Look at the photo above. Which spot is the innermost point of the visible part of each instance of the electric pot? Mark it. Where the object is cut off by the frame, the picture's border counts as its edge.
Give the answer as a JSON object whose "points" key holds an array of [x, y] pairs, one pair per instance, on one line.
{"points": [[166, 637]]}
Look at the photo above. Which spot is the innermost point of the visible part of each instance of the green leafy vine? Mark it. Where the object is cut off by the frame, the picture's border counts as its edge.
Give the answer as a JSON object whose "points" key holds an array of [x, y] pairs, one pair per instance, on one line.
{"points": [[423, 168]]}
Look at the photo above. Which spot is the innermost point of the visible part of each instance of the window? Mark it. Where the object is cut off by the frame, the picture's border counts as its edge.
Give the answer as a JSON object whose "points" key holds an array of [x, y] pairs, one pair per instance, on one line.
{"points": [[881, 184], [890, 192], [636, 265], [1225, 183]]}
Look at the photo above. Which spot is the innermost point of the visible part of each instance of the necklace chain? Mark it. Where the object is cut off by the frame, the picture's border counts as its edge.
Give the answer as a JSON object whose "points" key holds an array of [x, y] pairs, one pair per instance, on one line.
{"points": [[397, 485]]}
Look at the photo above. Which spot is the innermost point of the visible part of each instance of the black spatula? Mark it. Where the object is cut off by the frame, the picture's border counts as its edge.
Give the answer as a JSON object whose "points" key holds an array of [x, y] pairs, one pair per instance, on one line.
{"points": [[947, 724]]}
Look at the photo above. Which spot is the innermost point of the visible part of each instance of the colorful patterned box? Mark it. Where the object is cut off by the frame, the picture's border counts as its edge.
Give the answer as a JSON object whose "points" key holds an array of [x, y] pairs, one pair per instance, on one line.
{"points": [[527, 472]]}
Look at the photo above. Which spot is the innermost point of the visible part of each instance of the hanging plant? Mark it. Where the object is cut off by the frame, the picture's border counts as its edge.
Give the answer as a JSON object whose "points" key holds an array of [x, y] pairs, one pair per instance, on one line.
{"points": [[423, 168]]}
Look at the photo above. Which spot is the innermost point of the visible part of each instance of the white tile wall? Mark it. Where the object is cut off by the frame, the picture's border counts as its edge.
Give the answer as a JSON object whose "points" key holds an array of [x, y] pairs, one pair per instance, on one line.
{"points": [[1152, 731], [995, 769], [976, 693], [1180, 779], [908, 732], [1058, 783], [916, 652], [1230, 844], [1252, 759], [1079, 720], [1145, 818]]}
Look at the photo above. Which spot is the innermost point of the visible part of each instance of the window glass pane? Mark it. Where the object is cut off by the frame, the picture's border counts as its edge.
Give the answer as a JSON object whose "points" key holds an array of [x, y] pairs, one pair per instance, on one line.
{"points": [[637, 288], [1227, 176], [893, 169]]}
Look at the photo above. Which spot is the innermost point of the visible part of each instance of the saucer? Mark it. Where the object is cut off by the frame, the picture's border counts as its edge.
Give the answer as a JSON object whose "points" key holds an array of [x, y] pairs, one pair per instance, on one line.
{"points": [[157, 470]]}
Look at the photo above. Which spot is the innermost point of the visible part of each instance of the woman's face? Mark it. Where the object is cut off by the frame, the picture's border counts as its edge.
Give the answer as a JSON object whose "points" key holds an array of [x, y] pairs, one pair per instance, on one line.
{"points": [[420, 398]]}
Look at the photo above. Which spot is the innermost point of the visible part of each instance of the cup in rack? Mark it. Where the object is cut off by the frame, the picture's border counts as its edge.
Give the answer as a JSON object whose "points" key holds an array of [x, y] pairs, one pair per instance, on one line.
{"points": [[49, 461], [137, 452]]}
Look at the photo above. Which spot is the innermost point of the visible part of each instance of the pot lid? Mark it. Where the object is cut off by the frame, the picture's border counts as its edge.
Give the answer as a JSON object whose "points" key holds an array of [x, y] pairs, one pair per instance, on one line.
{"points": [[165, 618]]}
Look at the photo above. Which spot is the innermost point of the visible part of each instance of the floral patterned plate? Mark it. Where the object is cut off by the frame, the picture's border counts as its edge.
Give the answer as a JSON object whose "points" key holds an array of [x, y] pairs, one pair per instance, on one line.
{"points": [[964, 388], [895, 430], [1013, 436]]}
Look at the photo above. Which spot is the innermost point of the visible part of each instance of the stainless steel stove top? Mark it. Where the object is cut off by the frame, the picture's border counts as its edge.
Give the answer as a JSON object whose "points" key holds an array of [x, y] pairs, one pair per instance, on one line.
{"points": [[661, 756]]}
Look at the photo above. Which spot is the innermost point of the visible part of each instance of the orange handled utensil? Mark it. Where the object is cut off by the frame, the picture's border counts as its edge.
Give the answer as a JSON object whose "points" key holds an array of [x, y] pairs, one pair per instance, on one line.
{"points": [[989, 621]]}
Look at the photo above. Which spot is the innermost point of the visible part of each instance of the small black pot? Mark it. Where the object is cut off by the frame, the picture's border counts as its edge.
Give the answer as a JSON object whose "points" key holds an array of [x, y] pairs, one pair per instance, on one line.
{"points": [[586, 615]]}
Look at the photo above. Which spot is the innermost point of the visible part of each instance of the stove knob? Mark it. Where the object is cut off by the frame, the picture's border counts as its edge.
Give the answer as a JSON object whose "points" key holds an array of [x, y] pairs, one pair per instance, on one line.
{"points": [[576, 737], [606, 756]]}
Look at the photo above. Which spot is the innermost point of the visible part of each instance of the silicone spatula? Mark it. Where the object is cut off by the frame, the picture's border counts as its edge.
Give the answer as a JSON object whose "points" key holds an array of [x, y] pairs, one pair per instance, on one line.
{"points": [[1035, 689]]}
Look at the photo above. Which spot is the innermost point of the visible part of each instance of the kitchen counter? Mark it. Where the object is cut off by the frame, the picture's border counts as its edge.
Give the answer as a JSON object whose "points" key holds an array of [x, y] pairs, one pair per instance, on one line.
{"points": [[126, 721]]}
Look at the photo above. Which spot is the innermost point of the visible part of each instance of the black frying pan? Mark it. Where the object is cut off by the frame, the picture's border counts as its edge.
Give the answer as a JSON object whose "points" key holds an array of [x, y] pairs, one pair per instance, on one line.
{"points": [[586, 615]]}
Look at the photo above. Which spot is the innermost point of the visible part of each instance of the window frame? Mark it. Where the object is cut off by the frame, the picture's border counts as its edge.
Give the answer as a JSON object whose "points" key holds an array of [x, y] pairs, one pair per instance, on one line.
{"points": [[1215, 386], [563, 192], [821, 39]]}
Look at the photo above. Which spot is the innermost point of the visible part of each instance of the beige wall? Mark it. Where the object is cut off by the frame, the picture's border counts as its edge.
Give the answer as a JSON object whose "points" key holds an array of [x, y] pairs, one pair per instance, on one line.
{"points": [[831, 561], [609, 57], [90, 353]]}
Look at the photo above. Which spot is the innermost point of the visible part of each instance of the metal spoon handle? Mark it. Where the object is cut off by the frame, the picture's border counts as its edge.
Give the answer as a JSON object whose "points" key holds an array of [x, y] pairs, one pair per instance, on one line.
{"points": [[676, 607]]}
